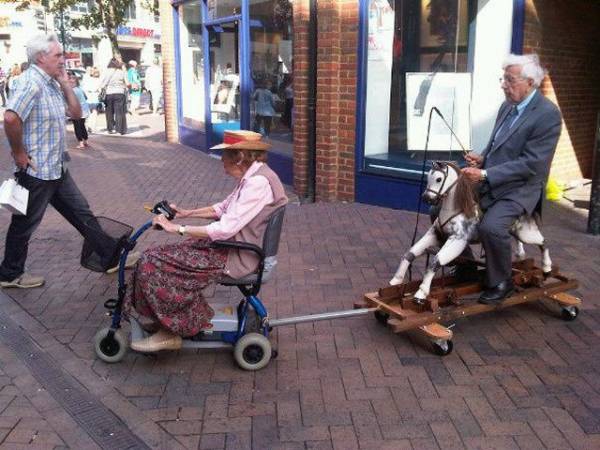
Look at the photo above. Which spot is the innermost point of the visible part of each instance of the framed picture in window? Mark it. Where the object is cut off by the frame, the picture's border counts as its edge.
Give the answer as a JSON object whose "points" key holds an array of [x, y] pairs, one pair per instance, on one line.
{"points": [[450, 93]]}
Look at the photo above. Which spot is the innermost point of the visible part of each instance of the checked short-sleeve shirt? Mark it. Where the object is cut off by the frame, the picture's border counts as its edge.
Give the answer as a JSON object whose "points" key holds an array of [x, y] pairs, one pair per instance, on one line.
{"points": [[40, 104]]}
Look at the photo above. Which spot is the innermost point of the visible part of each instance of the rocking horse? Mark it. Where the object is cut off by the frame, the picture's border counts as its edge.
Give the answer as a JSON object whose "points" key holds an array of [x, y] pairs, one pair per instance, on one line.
{"points": [[424, 305], [456, 226]]}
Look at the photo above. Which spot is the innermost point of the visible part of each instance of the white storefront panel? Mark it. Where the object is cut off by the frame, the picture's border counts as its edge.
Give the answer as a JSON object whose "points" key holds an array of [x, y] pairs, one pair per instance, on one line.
{"points": [[16, 27]]}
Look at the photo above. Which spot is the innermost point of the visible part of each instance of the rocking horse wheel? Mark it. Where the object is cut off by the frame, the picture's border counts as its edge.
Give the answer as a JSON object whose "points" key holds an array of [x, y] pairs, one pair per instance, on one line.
{"points": [[569, 313], [382, 317], [442, 347]]}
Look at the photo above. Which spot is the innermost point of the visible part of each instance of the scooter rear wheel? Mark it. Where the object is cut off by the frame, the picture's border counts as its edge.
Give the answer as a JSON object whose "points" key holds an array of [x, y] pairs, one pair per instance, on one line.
{"points": [[110, 349], [252, 352]]}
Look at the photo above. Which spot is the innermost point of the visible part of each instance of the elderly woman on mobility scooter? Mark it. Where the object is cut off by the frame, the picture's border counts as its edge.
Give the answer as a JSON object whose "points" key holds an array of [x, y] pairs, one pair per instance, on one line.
{"points": [[168, 280]]}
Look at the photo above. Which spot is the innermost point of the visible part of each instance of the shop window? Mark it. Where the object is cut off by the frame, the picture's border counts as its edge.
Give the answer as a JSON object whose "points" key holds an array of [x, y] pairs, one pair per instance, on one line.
{"points": [[416, 59], [192, 65], [272, 99], [223, 8]]}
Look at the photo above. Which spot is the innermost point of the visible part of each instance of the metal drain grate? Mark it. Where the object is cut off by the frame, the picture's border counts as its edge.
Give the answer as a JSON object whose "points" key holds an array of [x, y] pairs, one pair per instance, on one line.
{"points": [[100, 423]]}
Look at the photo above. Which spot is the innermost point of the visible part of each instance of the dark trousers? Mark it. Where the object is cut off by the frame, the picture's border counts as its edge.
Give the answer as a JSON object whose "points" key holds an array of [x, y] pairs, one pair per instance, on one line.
{"points": [[286, 118], [495, 239], [80, 130], [2, 93], [116, 109], [266, 122], [64, 195]]}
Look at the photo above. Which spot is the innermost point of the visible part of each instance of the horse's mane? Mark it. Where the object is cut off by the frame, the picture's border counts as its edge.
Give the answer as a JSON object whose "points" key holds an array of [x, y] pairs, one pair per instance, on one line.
{"points": [[465, 197]]}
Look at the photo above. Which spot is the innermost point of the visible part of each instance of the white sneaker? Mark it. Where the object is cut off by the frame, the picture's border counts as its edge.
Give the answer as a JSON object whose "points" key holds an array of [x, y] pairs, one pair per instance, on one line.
{"points": [[132, 259], [25, 281]]}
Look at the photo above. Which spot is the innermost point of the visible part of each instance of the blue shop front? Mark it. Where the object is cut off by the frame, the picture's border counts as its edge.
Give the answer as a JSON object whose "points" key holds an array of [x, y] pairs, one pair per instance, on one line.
{"points": [[233, 61]]}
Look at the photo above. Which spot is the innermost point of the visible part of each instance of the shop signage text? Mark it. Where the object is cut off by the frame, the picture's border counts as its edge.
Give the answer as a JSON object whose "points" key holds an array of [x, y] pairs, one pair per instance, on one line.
{"points": [[6, 22], [135, 31]]}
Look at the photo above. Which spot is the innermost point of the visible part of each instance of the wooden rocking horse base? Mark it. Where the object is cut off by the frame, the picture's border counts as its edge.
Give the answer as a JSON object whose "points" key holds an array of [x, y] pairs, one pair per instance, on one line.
{"points": [[451, 299]]}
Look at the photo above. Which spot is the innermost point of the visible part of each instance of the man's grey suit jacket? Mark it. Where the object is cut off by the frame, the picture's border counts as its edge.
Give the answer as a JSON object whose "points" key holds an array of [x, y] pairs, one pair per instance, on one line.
{"points": [[518, 163]]}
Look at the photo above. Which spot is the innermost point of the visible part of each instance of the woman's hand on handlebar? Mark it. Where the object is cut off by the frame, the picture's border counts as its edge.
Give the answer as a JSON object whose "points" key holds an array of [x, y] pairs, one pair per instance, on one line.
{"points": [[161, 222]]}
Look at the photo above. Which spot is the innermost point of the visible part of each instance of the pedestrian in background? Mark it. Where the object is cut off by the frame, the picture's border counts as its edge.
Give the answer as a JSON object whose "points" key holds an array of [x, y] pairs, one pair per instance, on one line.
{"points": [[264, 108], [13, 77], [3, 85], [153, 84], [34, 123], [21, 70], [91, 86], [79, 123], [115, 83], [135, 86], [287, 90]]}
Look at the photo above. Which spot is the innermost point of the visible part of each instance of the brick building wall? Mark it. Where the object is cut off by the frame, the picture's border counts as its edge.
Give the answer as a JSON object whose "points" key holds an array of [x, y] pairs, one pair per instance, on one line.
{"points": [[566, 35], [168, 65], [301, 75], [336, 98]]}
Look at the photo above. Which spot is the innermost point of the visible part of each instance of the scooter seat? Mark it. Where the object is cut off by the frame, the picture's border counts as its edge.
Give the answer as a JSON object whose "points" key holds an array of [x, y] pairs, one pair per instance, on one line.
{"points": [[270, 264]]}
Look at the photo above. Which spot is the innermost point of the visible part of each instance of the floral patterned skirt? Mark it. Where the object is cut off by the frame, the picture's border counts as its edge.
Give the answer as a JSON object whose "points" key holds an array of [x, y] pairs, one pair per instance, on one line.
{"points": [[167, 285]]}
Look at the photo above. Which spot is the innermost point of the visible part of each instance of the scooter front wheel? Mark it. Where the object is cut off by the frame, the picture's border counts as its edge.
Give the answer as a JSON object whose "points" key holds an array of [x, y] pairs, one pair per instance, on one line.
{"points": [[252, 352], [110, 347]]}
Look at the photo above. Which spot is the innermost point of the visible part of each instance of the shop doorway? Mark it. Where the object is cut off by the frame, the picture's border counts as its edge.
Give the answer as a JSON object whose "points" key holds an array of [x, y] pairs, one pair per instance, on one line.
{"points": [[225, 79], [128, 54]]}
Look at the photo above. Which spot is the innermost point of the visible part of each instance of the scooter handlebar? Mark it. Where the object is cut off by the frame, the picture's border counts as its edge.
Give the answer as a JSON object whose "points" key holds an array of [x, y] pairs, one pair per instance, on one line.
{"points": [[164, 208]]}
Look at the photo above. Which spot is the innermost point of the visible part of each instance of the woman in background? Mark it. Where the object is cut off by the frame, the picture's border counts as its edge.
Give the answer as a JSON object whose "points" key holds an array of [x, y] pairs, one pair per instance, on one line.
{"points": [[79, 124], [115, 83], [135, 86], [12, 80], [91, 86], [264, 108]]}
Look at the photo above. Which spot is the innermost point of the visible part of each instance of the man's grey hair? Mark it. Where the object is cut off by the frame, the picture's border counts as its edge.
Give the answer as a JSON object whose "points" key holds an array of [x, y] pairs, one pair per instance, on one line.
{"points": [[39, 44], [530, 67]]}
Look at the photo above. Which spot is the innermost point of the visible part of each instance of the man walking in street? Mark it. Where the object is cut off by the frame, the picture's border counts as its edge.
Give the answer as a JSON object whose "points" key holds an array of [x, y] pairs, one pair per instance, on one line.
{"points": [[34, 123]]}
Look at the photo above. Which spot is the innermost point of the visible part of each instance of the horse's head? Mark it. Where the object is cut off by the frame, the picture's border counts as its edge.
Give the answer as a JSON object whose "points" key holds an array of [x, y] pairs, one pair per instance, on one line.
{"points": [[442, 177]]}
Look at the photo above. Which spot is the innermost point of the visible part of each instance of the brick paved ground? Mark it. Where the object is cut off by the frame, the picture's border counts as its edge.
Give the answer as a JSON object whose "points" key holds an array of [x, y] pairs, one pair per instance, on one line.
{"points": [[519, 378]]}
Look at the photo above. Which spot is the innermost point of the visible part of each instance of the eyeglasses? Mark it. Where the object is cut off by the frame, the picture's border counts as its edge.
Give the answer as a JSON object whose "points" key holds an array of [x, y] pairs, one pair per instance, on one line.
{"points": [[510, 80]]}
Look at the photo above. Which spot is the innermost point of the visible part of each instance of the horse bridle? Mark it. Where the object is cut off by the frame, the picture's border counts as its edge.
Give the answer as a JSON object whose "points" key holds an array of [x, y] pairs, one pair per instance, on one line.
{"points": [[445, 169]]}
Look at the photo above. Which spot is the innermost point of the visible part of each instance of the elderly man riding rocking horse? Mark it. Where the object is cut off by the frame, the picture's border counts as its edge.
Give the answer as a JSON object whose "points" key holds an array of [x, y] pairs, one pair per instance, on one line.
{"points": [[513, 168]]}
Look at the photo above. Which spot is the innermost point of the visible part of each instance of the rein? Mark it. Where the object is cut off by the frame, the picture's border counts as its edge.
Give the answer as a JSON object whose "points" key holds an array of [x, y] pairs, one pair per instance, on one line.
{"points": [[438, 194]]}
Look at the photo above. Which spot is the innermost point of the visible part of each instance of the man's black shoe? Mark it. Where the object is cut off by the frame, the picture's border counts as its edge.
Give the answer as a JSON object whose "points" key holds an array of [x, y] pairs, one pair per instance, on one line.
{"points": [[495, 295]]}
